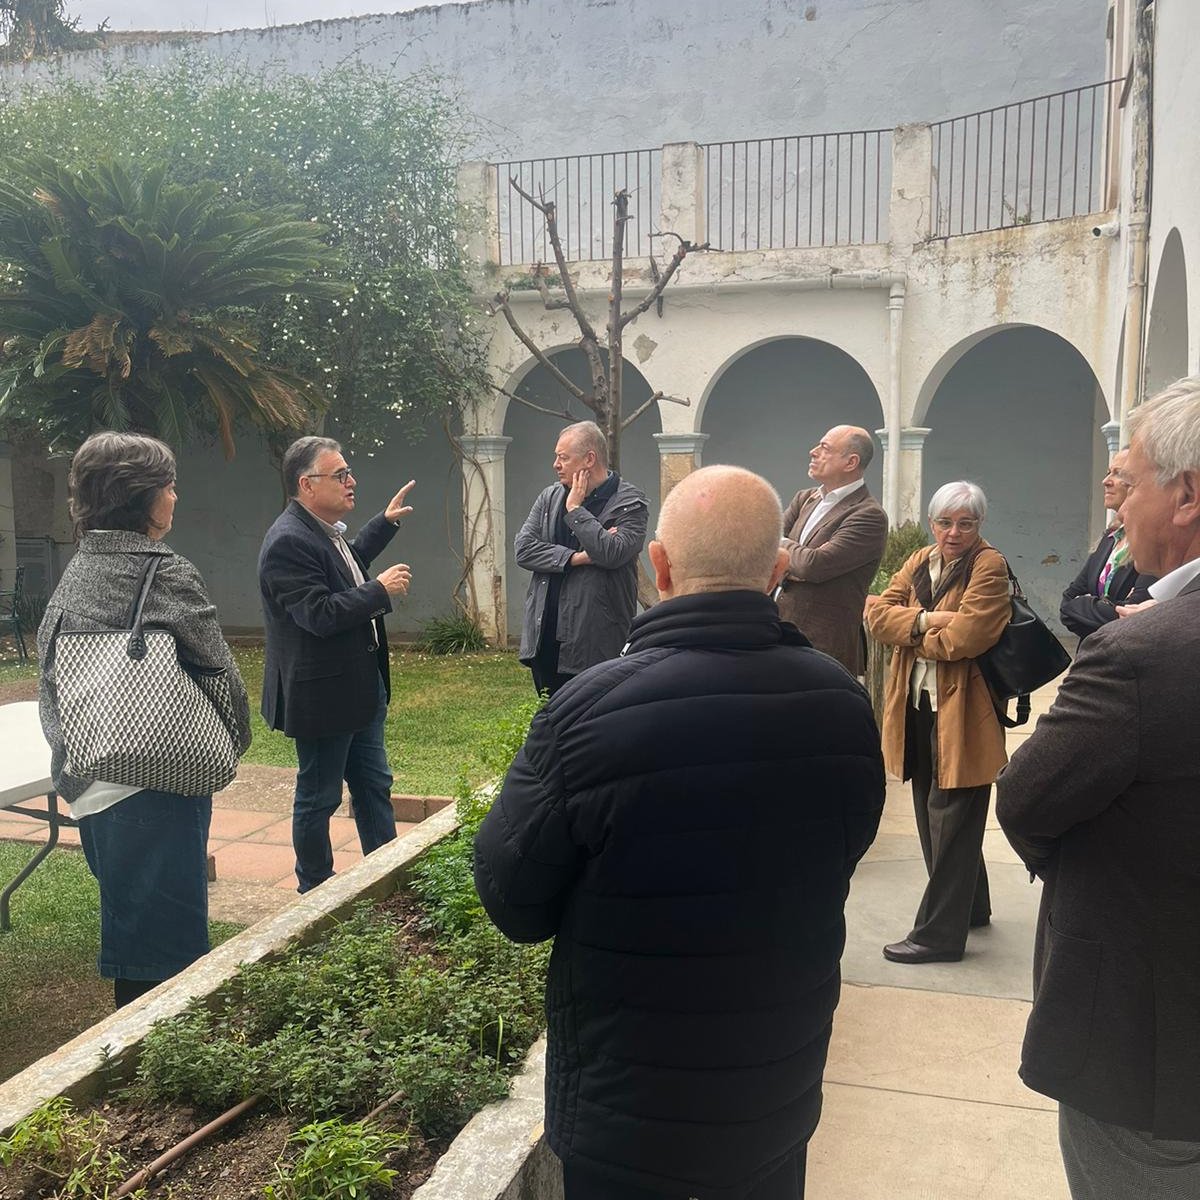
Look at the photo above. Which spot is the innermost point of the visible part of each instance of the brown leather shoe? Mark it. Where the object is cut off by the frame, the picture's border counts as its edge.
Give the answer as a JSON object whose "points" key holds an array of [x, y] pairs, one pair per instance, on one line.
{"points": [[910, 952]]}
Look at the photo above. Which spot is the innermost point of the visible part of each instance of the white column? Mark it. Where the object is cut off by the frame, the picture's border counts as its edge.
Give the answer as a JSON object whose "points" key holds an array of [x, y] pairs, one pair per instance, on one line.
{"points": [[678, 456], [484, 532], [909, 464], [682, 197]]}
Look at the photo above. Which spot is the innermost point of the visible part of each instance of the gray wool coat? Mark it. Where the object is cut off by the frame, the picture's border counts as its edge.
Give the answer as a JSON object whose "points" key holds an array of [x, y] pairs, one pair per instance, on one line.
{"points": [[96, 592]]}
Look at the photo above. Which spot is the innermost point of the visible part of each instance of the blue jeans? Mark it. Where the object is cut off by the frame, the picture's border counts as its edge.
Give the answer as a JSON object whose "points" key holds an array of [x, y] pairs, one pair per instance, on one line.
{"points": [[149, 853], [360, 759]]}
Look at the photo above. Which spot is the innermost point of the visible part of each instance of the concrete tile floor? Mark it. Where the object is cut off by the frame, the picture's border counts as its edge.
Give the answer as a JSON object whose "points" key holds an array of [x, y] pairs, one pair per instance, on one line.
{"points": [[922, 1098]]}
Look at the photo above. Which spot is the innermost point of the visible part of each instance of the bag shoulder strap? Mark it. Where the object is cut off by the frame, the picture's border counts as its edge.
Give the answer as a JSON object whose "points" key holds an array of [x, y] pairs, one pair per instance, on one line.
{"points": [[136, 646]]}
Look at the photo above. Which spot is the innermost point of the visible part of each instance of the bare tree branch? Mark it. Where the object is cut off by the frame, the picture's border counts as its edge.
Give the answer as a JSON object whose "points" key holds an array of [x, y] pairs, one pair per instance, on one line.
{"points": [[685, 248], [551, 302], [500, 304], [641, 408], [565, 415]]}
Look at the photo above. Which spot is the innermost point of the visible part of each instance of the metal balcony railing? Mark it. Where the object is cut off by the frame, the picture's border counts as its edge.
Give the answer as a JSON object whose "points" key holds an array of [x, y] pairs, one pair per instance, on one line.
{"points": [[582, 188], [1035, 160], [823, 189]]}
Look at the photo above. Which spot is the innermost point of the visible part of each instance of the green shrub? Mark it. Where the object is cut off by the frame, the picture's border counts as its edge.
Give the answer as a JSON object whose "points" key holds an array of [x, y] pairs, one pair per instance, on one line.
{"points": [[56, 1143], [338, 1027], [339, 1161], [458, 633], [902, 541]]}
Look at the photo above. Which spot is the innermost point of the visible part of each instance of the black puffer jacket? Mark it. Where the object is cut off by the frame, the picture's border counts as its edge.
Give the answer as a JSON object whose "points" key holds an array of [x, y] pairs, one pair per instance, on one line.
{"points": [[686, 820]]}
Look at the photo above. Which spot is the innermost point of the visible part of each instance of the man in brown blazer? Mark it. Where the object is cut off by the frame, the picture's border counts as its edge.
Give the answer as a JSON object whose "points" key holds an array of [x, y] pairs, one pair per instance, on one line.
{"points": [[1103, 803], [835, 535]]}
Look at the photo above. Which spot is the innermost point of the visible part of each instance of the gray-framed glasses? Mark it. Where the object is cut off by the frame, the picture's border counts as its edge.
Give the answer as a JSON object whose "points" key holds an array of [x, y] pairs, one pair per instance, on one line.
{"points": [[966, 525], [342, 476]]}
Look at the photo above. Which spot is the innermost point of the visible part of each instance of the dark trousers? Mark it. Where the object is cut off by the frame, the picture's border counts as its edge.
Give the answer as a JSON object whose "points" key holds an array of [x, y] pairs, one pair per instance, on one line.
{"points": [[581, 1181], [149, 853], [360, 759], [544, 667], [950, 824]]}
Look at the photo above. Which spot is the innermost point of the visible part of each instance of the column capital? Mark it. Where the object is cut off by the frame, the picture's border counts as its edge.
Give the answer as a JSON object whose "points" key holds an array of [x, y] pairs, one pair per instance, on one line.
{"points": [[680, 443], [1112, 436], [486, 447], [912, 438]]}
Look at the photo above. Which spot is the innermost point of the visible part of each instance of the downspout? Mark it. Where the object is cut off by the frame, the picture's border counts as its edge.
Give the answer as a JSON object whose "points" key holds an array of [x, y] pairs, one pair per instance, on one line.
{"points": [[892, 418], [1133, 383]]}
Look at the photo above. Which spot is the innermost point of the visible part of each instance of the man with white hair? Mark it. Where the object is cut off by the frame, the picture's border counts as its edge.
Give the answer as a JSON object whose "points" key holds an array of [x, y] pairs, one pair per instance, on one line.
{"points": [[581, 541], [684, 821], [1103, 803]]}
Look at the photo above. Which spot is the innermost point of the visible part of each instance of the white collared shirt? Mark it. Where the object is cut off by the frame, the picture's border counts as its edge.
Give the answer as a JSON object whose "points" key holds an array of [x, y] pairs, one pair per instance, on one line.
{"points": [[827, 501], [1173, 582]]}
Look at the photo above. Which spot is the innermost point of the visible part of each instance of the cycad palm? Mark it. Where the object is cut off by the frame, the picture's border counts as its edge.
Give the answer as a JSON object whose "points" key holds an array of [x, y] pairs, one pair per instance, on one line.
{"points": [[126, 301]]}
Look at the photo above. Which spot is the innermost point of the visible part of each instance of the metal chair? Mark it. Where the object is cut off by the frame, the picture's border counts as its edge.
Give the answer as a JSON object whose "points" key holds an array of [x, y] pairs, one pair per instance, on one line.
{"points": [[10, 614]]}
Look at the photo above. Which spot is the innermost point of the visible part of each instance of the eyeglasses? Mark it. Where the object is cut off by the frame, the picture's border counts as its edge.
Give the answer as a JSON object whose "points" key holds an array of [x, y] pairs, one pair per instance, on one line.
{"points": [[343, 476], [966, 525]]}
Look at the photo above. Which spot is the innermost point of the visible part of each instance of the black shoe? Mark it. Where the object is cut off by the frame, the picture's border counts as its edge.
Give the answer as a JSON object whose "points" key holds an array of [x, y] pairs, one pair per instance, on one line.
{"points": [[910, 952]]}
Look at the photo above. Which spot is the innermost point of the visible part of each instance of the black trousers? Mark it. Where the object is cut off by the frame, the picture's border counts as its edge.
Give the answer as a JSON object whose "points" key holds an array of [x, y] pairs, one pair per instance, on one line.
{"points": [[950, 824], [584, 1182], [544, 666]]}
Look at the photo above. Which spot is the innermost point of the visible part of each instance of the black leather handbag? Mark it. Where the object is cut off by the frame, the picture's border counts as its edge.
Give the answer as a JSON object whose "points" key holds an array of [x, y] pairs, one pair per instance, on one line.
{"points": [[1026, 657]]}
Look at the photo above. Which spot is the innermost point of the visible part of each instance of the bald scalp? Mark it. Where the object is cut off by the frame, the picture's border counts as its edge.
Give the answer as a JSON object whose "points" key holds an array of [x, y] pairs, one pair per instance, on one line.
{"points": [[720, 528]]}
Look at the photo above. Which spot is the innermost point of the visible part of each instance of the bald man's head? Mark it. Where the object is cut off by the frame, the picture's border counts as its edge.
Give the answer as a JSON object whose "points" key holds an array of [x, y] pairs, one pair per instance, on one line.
{"points": [[841, 456], [718, 532]]}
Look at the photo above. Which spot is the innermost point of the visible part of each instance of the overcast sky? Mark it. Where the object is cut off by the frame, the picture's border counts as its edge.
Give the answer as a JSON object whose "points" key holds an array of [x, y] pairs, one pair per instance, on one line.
{"points": [[212, 15]]}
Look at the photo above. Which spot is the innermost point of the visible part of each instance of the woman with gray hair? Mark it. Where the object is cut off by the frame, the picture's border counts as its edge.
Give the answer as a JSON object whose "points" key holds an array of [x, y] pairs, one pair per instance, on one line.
{"points": [[147, 849], [944, 607]]}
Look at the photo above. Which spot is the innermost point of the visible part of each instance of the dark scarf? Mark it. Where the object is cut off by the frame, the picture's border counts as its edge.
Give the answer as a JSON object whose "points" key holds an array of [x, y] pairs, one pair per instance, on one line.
{"points": [[952, 573]]}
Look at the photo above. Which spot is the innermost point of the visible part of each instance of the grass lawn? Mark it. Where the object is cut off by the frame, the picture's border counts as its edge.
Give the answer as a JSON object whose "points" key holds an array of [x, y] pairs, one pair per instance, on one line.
{"points": [[50, 990], [443, 708]]}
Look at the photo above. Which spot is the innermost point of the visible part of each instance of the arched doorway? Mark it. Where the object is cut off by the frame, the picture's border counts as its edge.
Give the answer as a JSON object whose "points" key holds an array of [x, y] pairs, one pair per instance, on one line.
{"points": [[527, 462], [772, 402], [1167, 335], [1020, 413]]}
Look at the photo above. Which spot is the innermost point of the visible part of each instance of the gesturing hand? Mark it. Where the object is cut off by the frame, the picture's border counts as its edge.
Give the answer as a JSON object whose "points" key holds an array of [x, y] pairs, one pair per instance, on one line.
{"points": [[396, 579], [579, 490], [397, 508]]}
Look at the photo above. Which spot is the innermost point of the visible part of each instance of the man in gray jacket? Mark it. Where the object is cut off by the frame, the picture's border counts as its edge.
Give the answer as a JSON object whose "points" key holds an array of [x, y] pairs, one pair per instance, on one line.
{"points": [[581, 540]]}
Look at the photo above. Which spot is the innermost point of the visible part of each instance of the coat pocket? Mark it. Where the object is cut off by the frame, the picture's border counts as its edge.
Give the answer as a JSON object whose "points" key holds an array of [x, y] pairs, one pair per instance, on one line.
{"points": [[1060, 1028]]}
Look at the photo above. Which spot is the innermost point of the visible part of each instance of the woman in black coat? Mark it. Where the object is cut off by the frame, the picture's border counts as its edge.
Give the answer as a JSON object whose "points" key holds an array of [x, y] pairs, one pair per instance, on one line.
{"points": [[1109, 577]]}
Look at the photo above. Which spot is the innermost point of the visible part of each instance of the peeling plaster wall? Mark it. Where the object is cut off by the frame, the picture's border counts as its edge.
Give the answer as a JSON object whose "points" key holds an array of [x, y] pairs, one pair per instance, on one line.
{"points": [[578, 76]]}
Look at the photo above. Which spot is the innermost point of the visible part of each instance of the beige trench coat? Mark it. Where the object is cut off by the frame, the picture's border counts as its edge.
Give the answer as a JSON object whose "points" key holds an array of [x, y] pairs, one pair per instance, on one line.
{"points": [[970, 738]]}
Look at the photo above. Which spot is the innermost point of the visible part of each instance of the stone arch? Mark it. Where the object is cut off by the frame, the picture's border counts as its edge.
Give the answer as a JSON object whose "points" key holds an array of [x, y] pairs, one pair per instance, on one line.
{"points": [[1019, 410], [527, 462], [773, 399], [1167, 332]]}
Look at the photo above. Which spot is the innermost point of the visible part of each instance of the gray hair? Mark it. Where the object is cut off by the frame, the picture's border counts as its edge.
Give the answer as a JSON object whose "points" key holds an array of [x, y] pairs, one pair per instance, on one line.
{"points": [[863, 445], [587, 435], [1168, 427], [300, 458], [953, 497]]}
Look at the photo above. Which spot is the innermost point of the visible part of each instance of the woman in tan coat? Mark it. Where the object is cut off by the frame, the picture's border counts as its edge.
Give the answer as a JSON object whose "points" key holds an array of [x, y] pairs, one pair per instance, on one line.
{"points": [[942, 609]]}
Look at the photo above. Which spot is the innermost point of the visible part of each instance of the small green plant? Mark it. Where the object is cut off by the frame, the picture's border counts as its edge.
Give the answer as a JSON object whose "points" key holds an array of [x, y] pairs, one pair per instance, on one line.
{"points": [[56, 1143], [458, 633], [902, 541], [339, 1160]]}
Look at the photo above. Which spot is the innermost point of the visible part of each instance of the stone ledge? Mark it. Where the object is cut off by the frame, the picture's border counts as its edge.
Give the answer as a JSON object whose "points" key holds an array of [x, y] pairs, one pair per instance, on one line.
{"points": [[417, 808]]}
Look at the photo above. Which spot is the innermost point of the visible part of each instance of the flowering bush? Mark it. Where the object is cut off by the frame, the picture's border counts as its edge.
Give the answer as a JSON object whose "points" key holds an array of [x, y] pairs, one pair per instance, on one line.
{"points": [[367, 155]]}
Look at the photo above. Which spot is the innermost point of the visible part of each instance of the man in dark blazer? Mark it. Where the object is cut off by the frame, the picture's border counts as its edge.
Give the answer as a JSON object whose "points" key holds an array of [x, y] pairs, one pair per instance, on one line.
{"points": [[1109, 577], [325, 680], [834, 535], [1103, 802]]}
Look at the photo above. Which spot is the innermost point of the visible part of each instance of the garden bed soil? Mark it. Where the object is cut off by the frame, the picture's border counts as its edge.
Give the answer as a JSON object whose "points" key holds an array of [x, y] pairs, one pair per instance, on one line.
{"points": [[238, 1163]]}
